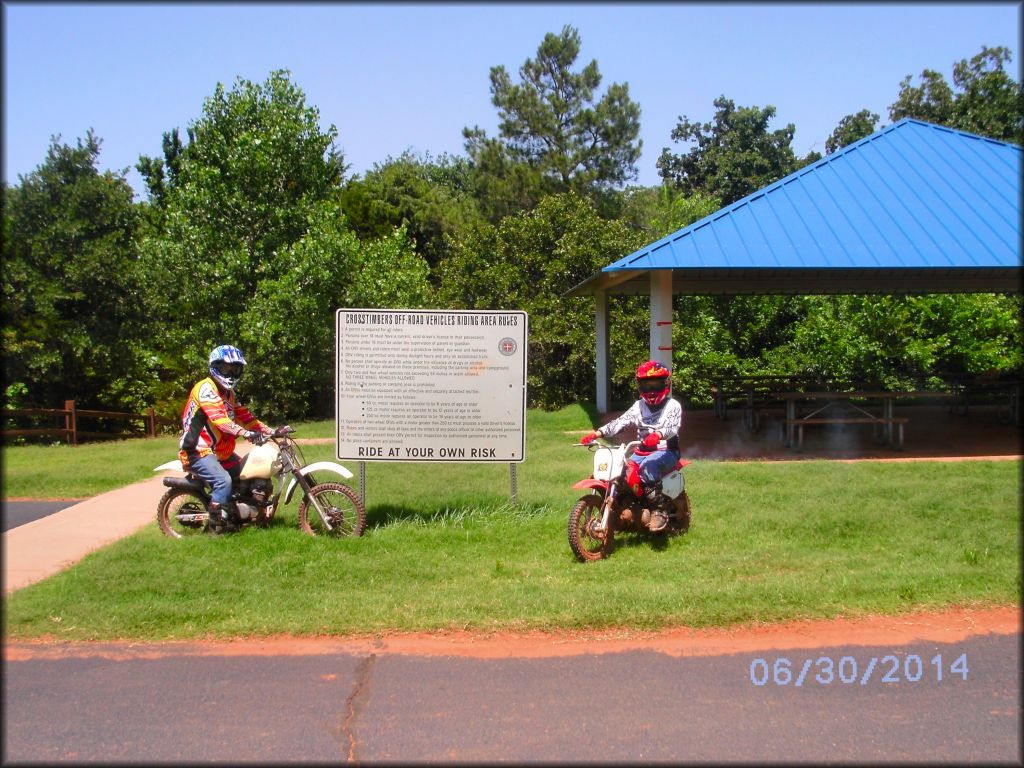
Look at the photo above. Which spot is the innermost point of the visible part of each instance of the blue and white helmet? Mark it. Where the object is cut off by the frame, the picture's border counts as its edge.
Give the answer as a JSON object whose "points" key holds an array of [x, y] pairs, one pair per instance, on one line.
{"points": [[227, 365]]}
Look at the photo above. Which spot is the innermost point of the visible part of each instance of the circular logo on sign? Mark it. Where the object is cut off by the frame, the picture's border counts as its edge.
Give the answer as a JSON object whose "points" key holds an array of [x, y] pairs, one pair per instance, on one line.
{"points": [[507, 346]]}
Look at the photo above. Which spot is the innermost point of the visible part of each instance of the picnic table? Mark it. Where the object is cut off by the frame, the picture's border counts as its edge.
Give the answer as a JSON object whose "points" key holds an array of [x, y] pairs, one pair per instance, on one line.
{"points": [[753, 390], [835, 407], [1005, 392]]}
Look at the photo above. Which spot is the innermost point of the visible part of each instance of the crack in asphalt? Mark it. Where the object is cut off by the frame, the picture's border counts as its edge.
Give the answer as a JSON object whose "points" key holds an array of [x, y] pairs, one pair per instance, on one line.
{"points": [[355, 703]]}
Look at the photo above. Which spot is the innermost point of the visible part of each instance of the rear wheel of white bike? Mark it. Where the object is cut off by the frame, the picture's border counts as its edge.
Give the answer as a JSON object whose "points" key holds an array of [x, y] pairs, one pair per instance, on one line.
{"points": [[181, 513]]}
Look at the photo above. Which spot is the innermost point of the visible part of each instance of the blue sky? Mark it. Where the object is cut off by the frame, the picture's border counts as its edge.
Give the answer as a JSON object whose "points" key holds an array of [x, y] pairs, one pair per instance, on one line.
{"points": [[396, 77]]}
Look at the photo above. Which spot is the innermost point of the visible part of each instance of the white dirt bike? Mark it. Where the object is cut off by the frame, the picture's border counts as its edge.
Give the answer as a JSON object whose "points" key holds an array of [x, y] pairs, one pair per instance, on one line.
{"points": [[329, 508]]}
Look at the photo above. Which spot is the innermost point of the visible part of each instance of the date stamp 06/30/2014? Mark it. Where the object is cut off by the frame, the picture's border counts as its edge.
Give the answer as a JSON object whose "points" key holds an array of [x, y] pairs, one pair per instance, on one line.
{"points": [[848, 670]]}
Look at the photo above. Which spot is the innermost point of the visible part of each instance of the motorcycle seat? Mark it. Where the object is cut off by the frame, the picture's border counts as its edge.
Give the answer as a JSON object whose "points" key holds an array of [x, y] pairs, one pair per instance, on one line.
{"points": [[190, 483]]}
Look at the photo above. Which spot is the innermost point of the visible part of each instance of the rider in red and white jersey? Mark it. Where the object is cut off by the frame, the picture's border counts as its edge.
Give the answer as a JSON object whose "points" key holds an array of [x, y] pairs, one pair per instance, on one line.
{"points": [[212, 421], [658, 419]]}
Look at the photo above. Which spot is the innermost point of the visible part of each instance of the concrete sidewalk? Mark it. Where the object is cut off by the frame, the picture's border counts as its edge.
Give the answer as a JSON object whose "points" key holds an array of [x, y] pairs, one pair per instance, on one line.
{"points": [[40, 548]]}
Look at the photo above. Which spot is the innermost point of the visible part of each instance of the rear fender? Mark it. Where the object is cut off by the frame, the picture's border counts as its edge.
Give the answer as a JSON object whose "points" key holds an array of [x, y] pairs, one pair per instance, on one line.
{"points": [[316, 466], [174, 466]]}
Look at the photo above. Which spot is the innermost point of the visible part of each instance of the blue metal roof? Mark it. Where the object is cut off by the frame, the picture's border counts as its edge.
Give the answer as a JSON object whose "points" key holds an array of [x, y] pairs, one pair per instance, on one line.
{"points": [[912, 195]]}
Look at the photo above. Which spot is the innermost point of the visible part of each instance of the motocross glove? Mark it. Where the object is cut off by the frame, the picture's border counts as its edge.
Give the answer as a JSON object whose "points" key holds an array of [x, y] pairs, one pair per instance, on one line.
{"points": [[652, 440], [588, 439], [282, 431], [256, 438]]}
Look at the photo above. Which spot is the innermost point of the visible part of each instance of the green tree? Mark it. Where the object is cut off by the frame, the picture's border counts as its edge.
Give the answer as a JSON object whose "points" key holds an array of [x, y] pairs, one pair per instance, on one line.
{"points": [[430, 200], [73, 323], [255, 170], [159, 174], [932, 101], [255, 166], [660, 211], [288, 327], [984, 99], [528, 262], [903, 341], [553, 135], [898, 342], [734, 155], [850, 129], [503, 186], [254, 192]]}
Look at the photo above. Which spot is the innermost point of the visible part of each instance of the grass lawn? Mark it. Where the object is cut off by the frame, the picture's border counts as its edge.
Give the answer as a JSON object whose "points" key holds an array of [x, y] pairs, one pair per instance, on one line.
{"points": [[445, 549], [61, 472]]}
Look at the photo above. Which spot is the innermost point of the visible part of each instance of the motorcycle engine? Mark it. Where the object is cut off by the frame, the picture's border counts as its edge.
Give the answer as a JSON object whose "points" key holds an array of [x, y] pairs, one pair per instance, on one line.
{"points": [[255, 497], [259, 490]]}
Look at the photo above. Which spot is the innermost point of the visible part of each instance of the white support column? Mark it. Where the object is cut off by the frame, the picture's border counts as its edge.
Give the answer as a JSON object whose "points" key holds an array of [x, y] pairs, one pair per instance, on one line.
{"points": [[603, 401], [661, 316]]}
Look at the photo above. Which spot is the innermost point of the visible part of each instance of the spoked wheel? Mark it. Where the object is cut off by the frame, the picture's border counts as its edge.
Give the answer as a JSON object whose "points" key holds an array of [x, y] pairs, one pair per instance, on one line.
{"points": [[181, 513], [586, 541], [683, 514], [344, 512]]}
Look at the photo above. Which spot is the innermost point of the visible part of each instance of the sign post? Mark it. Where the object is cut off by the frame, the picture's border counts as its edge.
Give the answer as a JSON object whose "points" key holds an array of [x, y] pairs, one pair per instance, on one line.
{"points": [[431, 385]]}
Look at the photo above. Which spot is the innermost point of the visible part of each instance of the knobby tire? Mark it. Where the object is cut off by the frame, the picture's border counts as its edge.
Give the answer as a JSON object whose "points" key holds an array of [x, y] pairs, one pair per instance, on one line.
{"points": [[584, 514], [348, 518], [684, 514], [178, 501]]}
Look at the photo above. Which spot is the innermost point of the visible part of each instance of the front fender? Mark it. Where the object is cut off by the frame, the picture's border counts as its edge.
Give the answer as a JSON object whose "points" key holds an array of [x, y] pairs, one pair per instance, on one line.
{"points": [[600, 485], [317, 466]]}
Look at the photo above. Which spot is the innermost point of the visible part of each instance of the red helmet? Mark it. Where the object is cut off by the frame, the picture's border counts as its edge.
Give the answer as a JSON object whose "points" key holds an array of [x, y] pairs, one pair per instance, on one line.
{"points": [[653, 380]]}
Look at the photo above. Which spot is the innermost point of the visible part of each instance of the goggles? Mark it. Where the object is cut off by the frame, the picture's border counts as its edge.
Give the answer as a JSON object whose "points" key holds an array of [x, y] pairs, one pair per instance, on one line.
{"points": [[650, 386], [232, 370]]}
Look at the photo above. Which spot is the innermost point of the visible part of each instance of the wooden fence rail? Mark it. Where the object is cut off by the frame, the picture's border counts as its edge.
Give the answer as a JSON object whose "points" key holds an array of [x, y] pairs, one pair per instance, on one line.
{"points": [[70, 416]]}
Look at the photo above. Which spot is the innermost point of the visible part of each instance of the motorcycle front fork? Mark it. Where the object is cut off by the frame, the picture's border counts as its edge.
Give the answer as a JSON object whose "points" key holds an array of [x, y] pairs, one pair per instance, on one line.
{"points": [[608, 506], [306, 485]]}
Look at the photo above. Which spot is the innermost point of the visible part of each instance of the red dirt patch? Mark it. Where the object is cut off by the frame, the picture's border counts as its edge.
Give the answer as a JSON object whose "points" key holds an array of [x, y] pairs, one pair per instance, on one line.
{"points": [[949, 626]]}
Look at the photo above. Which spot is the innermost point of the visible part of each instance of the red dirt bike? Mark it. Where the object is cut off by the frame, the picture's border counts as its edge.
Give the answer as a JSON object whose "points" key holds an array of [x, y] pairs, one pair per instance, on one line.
{"points": [[612, 505]]}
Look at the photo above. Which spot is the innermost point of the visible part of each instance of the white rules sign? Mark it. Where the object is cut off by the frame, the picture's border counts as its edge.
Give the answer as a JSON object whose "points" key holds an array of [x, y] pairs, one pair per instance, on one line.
{"points": [[431, 385]]}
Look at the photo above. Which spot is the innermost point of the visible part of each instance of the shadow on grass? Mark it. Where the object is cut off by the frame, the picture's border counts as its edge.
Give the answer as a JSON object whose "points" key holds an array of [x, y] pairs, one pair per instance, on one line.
{"points": [[383, 515], [657, 542], [596, 419]]}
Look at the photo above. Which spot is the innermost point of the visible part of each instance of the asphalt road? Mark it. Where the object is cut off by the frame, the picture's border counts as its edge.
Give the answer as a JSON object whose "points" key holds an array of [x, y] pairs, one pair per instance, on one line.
{"points": [[637, 706], [15, 513]]}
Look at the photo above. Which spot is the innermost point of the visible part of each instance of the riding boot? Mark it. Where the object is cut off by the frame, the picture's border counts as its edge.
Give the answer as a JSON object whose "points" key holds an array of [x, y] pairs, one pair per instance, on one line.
{"points": [[221, 518], [656, 501], [217, 517]]}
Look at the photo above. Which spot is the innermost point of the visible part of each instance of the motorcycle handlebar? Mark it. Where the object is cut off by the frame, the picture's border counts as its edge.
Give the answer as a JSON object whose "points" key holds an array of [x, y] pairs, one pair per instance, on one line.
{"points": [[599, 442], [629, 448]]}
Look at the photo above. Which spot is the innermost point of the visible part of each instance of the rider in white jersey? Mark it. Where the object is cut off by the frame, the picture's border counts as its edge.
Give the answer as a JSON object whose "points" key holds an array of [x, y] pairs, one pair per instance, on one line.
{"points": [[658, 419]]}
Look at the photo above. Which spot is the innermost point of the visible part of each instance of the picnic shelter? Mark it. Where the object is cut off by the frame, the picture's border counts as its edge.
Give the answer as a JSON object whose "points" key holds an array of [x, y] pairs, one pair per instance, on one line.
{"points": [[914, 208]]}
